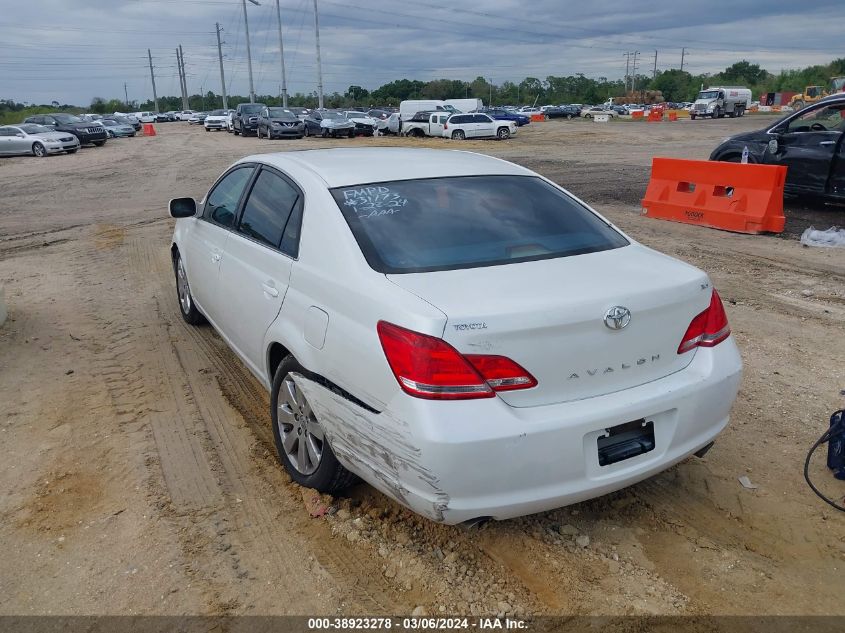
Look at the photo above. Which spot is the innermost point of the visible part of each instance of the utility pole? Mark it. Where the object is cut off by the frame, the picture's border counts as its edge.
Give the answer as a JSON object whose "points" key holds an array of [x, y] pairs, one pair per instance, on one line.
{"points": [[153, 79], [683, 54], [125, 95], [179, 70], [220, 58], [282, 55], [319, 63], [185, 101], [490, 104], [634, 71], [654, 74], [627, 70], [248, 52]]}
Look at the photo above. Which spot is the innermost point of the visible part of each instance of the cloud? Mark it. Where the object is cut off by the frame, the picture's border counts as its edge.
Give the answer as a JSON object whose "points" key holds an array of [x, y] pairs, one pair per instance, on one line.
{"points": [[74, 50]]}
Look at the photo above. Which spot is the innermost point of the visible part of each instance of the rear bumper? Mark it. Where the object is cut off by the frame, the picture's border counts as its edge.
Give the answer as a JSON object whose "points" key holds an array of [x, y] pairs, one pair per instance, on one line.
{"points": [[455, 461]]}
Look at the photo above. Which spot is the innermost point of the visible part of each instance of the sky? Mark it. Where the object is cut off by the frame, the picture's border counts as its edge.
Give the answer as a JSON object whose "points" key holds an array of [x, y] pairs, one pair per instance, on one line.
{"points": [[74, 50]]}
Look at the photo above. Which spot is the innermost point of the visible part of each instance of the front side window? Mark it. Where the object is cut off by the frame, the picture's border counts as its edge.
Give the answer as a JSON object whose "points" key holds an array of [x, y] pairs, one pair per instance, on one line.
{"points": [[268, 209], [222, 203], [830, 118], [469, 221], [7, 131]]}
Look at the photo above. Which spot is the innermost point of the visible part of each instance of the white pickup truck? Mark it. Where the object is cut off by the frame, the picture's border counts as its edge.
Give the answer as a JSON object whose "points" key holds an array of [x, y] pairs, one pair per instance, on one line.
{"points": [[457, 126]]}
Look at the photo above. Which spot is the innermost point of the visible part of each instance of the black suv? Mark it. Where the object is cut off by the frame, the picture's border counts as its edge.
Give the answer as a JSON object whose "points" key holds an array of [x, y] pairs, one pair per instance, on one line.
{"points": [[245, 118], [85, 131]]}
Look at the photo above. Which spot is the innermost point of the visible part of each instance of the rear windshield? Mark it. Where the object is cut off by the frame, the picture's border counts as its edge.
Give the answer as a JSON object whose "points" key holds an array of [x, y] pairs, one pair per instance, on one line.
{"points": [[469, 221]]}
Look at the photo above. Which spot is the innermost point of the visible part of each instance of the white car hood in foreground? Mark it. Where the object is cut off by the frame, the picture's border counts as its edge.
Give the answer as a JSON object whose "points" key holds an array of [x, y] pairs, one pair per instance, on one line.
{"points": [[548, 316]]}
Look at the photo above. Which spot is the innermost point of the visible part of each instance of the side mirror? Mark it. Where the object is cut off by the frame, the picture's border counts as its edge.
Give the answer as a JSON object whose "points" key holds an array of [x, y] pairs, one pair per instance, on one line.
{"points": [[20, 134], [183, 208]]}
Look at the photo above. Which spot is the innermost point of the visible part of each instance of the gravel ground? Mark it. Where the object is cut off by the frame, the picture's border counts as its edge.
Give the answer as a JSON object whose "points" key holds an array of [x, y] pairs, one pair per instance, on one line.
{"points": [[139, 474]]}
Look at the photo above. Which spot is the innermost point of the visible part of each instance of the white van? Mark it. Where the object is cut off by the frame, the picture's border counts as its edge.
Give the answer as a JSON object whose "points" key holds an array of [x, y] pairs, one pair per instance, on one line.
{"points": [[466, 105], [145, 117]]}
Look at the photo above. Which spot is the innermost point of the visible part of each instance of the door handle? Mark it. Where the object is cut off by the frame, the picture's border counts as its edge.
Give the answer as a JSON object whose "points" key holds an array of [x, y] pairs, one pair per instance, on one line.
{"points": [[827, 143], [269, 288]]}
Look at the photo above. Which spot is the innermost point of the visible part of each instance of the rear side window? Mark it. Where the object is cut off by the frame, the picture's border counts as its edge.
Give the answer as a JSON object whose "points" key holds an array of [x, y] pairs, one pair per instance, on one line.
{"points": [[222, 203], [268, 209], [469, 221]]}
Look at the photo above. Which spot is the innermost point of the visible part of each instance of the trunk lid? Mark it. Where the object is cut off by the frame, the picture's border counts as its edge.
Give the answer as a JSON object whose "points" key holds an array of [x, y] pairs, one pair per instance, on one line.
{"points": [[549, 316]]}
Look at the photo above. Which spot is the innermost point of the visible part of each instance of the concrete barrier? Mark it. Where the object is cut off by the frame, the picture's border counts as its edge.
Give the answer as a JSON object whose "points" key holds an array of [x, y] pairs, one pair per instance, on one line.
{"points": [[3, 312]]}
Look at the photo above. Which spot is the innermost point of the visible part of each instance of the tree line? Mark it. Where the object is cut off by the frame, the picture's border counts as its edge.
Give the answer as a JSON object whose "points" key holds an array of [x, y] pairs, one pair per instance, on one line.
{"points": [[676, 85]]}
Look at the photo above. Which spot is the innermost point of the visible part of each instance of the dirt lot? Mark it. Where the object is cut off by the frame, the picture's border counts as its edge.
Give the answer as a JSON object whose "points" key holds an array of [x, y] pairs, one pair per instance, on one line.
{"points": [[138, 473]]}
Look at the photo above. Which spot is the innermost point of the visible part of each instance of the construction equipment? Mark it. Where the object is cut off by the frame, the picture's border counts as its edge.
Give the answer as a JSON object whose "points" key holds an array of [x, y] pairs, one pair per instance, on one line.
{"points": [[810, 95]]}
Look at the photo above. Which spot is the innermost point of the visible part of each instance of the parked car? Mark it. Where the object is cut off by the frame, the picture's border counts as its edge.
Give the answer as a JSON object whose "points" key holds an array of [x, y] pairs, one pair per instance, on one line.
{"points": [[394, 124], [86, 131], [38, 140], [115, 129], [480, 343], [365, 125], [808, 142], [145, 117], [591, 111], [216, 120], [183, 115], [562, 112], [300, 113], [279, 123], [245, 118], [326, 123], [506, 115], [124, 120], [162, 117], [529, 110], [477, 125], [197, 118]]}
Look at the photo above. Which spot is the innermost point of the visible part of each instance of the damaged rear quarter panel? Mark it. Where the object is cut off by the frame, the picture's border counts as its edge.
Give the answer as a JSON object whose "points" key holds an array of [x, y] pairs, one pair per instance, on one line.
{"points": [[378, 447]]}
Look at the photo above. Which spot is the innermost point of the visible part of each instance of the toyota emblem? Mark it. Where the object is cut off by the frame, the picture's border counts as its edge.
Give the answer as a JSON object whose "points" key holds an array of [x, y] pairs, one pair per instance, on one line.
{"points": [[617, 317]]}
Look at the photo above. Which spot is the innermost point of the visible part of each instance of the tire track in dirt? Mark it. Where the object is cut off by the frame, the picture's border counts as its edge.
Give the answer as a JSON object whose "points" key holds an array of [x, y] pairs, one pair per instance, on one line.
{"points": [[265, 513]]}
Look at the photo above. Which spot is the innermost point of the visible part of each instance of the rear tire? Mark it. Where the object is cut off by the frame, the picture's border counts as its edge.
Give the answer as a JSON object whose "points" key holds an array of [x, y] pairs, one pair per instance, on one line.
{"points": [[187, 307], [301, 444], [39, 150], [459, 135]]}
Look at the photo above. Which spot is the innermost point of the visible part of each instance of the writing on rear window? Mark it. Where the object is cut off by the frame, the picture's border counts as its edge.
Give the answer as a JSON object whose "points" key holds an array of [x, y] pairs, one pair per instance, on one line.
{"points": [[372, 202]]}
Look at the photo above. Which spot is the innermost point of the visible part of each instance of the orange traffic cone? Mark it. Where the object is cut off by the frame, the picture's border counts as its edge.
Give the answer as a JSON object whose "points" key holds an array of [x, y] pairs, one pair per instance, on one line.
{"points": [[149, 130]]}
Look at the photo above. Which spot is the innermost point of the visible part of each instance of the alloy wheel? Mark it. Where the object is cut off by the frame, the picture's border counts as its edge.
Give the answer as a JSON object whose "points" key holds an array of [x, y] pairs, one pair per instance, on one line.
{"points": [[182, 287], [301, 433]]}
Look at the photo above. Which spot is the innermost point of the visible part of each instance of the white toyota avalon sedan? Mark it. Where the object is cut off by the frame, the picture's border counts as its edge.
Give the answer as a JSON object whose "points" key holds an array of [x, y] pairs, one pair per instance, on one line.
{"points": [[456, 330]]}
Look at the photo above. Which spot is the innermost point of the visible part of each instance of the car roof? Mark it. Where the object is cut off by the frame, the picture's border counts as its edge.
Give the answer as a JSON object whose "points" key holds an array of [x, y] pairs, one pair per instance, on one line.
{"points": [[344, 167]]}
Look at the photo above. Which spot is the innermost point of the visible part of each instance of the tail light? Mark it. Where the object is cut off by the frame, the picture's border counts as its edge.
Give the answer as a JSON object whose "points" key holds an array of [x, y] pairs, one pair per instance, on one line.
{"points": [[708, 329], [445, 126], [428, 367]]}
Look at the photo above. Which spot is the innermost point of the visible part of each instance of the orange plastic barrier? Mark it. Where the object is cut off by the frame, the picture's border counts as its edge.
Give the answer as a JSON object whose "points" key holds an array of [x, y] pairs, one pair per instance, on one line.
{"points": [[637, 114], [655, 115], [730, 196], [538, 117], [673, 116], [149, 130]]}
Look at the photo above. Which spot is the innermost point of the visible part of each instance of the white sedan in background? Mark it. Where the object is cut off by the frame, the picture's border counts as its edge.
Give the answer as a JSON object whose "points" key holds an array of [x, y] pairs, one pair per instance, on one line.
{"points": [[37, 140], [466, 336]]}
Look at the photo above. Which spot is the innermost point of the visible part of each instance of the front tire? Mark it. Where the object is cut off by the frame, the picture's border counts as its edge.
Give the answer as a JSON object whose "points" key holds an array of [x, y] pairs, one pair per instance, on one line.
{"points": [[70, 151], [39, 150], [99, 143], [187, 307], [798, 104], [301, 443], [503, 133]]}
